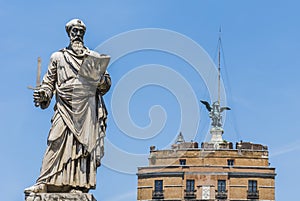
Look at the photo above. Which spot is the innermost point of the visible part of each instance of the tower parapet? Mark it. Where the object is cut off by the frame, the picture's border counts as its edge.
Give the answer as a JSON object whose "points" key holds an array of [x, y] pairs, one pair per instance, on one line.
{"points": [[186, 171]]}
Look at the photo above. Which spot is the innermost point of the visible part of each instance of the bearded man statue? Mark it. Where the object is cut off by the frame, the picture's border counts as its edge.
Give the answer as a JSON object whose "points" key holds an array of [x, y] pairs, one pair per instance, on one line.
{"points": [[76, 137]]}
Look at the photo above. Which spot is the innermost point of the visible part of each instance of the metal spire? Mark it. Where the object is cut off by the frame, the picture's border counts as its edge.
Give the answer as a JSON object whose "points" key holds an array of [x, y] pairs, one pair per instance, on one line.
{"points": [[219, 67]]}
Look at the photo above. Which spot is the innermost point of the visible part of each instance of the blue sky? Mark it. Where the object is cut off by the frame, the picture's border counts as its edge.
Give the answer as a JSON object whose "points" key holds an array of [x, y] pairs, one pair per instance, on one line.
{"points": [[260, 70]]}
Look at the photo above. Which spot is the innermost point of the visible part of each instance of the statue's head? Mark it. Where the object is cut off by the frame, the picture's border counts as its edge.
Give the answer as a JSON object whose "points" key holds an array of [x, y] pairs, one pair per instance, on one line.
{"points": [[76, 30]]}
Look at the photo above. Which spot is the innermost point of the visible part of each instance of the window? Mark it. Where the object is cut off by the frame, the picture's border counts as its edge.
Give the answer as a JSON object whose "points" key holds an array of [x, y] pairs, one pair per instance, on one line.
{"points": [[230, 162], [158, 185], [182, 161], [221, 186], [190, 185], [252, 190], [252, 186], [158, 192], [189, 192]]}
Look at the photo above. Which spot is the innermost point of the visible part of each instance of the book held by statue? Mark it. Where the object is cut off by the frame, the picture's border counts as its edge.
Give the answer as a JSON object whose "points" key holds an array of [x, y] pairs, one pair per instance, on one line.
{"points": [[94, 66]]}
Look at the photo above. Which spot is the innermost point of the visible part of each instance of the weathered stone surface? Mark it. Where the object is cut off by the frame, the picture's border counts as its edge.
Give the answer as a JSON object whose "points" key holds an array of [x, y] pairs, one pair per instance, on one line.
{"points": [[77, 77], [60, 197]]}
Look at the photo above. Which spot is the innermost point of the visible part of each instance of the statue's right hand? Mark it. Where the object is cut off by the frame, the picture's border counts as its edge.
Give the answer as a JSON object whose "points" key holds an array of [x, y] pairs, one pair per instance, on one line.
{"points": [[39, 96]]}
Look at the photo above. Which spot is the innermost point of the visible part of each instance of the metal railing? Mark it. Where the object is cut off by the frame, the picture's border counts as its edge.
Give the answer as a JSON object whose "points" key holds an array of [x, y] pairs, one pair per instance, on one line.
{"points": [[221, 195], [189, 194], [252, 194], [157, 194]]}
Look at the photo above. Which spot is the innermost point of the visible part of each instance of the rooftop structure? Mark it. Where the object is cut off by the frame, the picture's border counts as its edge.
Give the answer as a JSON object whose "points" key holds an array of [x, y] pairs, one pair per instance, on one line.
{"points": [[189, 172]]}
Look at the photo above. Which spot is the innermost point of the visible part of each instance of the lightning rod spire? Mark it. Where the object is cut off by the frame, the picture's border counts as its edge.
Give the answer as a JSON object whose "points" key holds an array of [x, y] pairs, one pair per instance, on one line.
{"points": [[219, 67]]}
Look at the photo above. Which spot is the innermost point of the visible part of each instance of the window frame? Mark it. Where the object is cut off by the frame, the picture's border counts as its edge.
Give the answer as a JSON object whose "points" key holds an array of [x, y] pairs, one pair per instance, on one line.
{"points": [[221, 186], [230, 162], [182, 161], [252, 186], [158, 185], [190, 185]]}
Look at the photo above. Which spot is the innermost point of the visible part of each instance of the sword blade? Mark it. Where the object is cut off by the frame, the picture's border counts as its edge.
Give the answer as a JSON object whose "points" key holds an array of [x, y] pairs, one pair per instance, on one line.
{"points": [[38, 75]]}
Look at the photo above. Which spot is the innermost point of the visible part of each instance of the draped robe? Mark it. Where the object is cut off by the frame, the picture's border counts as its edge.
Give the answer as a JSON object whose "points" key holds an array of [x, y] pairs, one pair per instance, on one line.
{"points": [[75, 140]]}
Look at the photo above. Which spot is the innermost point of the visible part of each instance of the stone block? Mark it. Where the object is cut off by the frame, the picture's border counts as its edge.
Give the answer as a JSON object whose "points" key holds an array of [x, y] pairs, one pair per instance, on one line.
{"points": [[60, 197]]}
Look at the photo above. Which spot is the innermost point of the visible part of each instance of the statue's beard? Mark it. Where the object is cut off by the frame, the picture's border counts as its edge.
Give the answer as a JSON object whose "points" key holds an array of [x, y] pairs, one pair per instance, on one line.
{"points": [[77, 46]]}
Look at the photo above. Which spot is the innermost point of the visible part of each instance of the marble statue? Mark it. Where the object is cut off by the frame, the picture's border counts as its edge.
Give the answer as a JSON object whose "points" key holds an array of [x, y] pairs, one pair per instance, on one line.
{"points": [[78, 78], [215, 113]]}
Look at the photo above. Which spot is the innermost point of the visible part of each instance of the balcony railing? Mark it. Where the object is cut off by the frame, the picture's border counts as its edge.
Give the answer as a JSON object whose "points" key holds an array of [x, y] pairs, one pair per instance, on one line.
{"points": [[189, 194], [158, 194], [252, 195], [221, 195]]}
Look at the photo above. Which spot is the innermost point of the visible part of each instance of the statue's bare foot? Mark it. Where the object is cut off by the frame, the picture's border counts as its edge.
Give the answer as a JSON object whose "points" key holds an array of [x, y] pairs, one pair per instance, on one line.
{"points": [[36, 188]]}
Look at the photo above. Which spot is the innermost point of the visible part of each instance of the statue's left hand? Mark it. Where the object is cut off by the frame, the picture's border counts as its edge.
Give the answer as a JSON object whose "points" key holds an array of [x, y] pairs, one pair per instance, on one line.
{"points": [[104, 83], [102, 80], [98, 162]]}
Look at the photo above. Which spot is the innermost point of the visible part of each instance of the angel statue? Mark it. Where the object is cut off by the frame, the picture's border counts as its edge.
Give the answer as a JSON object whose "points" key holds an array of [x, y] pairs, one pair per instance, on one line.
{"points": [[215, 113]]}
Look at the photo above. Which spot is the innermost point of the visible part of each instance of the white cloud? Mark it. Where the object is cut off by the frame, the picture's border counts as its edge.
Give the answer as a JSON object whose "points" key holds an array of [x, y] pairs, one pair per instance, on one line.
{"points": [[286, 149]]}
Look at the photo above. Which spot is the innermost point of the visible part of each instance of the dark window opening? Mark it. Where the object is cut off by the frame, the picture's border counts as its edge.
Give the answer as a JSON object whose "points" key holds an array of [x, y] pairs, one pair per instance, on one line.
{"points": [[221, 186], [158, 193], [158, 186], [230, 162], [189, 192], [253, 193], [190, 185], [182, 162], [252, 186]]}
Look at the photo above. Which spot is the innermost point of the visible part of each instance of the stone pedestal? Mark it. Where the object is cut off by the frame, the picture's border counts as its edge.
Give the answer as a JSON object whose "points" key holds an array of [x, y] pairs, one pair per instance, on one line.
{"points": [[59, 197], [216, 135]]}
